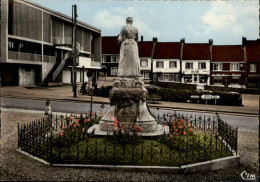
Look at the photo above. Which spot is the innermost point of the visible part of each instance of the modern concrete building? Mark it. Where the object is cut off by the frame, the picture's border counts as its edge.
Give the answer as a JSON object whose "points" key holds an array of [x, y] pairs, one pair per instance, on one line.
{"points": [[228, 65], [166, 62], [196, 63], [36, 45]]}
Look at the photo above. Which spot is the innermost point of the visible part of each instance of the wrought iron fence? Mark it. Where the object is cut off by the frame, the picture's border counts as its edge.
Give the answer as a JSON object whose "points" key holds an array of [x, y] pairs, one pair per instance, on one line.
{"points": [[45, 138]]}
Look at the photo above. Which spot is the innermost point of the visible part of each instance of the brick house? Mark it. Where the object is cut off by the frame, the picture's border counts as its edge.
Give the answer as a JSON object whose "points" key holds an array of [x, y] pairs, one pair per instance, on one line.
{"points": [[228, 65], [196, 63], [252, 63], [166, 62]]}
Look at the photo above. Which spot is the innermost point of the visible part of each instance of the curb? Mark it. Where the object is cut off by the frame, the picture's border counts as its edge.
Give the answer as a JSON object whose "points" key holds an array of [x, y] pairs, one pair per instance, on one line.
{"points": [[212, 165], [151, 106]]}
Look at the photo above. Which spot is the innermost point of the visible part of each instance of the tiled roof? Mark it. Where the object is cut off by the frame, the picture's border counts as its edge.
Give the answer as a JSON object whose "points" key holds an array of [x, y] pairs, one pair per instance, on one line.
{"points": [[167, 50], [253, 50], [145, 48], [196, 52], [227, 53], [110, 45]]}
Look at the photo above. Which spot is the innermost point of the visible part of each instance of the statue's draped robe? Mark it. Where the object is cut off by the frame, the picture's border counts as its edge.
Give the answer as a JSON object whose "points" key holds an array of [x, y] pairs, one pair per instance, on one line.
{"points": [[129, 64]]}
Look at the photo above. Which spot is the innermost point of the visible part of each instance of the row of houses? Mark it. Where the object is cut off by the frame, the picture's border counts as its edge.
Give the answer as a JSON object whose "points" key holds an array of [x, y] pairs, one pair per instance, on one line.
{"points": [[36, 45], [194, 63]]}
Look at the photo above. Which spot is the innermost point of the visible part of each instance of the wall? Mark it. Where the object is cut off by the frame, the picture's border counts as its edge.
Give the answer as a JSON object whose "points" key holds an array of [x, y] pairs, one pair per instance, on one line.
{"points": [[46, 68], [26, 76]]}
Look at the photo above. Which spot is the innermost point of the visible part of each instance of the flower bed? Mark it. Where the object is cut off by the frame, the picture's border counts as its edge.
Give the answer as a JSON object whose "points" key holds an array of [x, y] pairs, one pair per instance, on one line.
{"points": [[190, 140]]}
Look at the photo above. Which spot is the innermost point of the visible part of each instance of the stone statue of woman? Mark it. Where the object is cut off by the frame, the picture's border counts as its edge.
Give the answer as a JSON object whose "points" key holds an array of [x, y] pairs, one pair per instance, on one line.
{"points": [[129, 59]]}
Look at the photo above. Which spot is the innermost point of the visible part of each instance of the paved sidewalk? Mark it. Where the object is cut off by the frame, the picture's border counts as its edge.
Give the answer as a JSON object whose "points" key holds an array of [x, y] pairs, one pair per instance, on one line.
{"points": [[250, 102]]}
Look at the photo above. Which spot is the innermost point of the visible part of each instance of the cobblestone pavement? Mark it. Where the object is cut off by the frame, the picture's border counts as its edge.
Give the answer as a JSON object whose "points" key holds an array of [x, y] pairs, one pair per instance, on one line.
{"points": [[16, 166]]}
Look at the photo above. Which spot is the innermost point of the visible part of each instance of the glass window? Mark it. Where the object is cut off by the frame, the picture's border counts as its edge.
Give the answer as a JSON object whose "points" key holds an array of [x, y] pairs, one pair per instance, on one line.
{"points": [[103, 59], [217, 81], [114, 70], [234, 67], [203, 78], [171, 77], [187, 79], [217, 66], [195, 78], [189, 65], [172, 64], [166, 77], [252, 67], [146, 75], [144, 63], [202, 65], [159, 64], [114, 59]]}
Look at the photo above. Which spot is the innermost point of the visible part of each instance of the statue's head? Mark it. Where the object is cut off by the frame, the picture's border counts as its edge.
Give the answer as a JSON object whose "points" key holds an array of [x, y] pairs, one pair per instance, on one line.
{"points": [[129, 20]]}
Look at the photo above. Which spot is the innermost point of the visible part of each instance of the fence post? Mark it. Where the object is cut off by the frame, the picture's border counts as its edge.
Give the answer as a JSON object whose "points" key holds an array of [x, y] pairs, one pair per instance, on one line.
{"points": [[210, 146], [18, 135], [51, 149], [236, 139]]}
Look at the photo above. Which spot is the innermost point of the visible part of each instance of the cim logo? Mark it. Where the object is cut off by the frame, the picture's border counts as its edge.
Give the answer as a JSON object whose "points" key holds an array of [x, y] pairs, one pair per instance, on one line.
{"points": [[247, 176]]}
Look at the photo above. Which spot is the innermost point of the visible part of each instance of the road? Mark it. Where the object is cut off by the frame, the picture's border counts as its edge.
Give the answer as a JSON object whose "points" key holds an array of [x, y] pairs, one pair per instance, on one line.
{"points": [[246, 123]]}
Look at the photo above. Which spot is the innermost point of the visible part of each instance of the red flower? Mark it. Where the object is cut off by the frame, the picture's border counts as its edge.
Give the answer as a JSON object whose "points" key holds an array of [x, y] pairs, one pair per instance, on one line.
{"points": [[190, 129], [61, 133], [162, 125], [185, 126], [106, 125], [101, 113], [77, 124], [74, 125], [87, 120], [77, 120], [62, 127], [179, 126], [83, 129], [70, 117], [181, 120], [120, 124], [92, 113], [175, 130], [115, 125], [114, 119], [184, 133], [170, 136], [70, 123], [72, 130]]}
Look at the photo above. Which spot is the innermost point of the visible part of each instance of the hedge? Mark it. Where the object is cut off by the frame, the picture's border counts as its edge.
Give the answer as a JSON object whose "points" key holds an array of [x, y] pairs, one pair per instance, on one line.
{"points": [[174, 95]]}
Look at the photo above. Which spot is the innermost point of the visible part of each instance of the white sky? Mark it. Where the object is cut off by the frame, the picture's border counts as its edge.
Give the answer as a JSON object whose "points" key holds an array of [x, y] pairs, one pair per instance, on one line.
{"points": [[226, 22]]}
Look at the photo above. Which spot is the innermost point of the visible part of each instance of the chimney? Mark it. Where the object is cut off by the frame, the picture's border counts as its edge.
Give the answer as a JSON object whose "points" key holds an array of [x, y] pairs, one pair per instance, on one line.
{"points": [[244, 41], [210, 42], [155, 39], [142, 38]]}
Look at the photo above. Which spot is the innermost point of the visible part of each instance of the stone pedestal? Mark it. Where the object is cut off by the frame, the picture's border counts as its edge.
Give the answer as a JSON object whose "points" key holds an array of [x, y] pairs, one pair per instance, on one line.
{"points": [[128, 105]]}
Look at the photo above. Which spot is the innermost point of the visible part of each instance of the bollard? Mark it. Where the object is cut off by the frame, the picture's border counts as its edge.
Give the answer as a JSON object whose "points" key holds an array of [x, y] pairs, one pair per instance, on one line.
{"points": [[48, 107]]}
